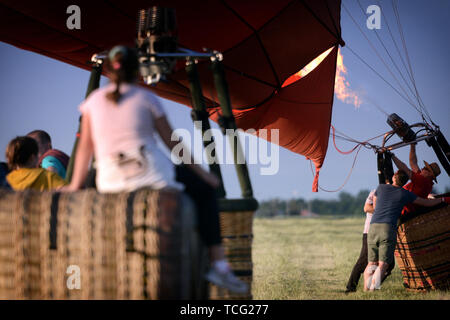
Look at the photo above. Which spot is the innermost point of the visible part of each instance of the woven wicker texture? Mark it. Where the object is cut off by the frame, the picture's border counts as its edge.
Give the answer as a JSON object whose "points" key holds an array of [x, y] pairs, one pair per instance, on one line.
{"points": [[125, 246], [237, 237], [423, 250]]}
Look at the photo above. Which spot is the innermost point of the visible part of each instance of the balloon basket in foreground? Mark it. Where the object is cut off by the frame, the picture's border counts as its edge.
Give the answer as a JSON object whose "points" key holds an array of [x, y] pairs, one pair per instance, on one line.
{"points": [[237, 237], [423, 250], [87, 245]]}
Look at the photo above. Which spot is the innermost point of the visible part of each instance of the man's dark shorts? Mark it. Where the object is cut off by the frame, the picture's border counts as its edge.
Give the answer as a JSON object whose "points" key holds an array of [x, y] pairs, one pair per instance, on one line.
{"points": [[381, 242]]}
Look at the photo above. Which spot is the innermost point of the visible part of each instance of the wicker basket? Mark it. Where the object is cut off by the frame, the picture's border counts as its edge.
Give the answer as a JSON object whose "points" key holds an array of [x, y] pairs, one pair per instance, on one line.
{"points": [[237, 236], [423, 250], [139, 245]]}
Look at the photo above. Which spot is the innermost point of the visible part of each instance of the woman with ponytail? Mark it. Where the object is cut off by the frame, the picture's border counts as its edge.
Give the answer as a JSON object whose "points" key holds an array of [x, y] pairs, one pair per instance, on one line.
{"points": [[118, 126]]}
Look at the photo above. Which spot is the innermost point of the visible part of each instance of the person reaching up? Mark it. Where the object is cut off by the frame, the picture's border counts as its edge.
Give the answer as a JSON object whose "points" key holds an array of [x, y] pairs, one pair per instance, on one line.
{"points": [[421, 182]]}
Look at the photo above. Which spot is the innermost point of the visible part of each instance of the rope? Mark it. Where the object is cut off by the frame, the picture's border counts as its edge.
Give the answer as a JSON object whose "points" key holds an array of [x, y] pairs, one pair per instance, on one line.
{"points": [[378, 106], [381, 59], [420, 106], [381, 77], [390, 56], [346, 179], [397, 17], [345, 137], [340, 137], [419, 98], [360, 142], [334, 142], [395, 43], [357, 147]]}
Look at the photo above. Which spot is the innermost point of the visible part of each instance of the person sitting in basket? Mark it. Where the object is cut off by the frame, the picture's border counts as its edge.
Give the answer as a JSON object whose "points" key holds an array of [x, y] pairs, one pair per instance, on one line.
{"points": [[50, 159], [119, 124], [22, 156], [382, 237], [421, 179]]}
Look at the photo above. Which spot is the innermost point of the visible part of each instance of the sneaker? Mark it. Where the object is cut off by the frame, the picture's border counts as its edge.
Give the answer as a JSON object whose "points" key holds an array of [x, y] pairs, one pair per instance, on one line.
{"points": [[371, 270], [226, 280], [376, 280], [369, 282]]}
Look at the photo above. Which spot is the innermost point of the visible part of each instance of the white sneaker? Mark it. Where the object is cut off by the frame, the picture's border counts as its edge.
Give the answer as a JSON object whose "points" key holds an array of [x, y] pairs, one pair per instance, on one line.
{"points": [[371, 270], [376, 280], [226, 280]]}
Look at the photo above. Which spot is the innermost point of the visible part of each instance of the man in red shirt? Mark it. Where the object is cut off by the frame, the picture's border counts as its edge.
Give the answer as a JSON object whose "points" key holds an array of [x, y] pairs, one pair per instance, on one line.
{"points": [[421, 180]]}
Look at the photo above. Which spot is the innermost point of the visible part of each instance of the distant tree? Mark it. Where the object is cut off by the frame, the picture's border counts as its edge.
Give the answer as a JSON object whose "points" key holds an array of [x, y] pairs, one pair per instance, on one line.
{"points": [[292, 208], [270, 208], [346, 204], [264, 209], [360, 199]]}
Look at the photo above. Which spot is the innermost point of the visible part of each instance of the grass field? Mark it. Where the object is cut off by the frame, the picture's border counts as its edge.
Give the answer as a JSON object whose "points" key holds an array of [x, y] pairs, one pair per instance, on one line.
{"points": [[299, 258]]}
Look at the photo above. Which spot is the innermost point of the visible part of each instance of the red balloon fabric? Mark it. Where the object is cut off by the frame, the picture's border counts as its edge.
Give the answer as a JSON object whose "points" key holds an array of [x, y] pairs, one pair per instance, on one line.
{"points": [[263, 44], [301, 112]]}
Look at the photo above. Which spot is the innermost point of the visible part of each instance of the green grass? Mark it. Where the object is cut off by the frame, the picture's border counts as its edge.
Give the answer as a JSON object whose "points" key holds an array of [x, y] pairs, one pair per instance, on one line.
{"points": [[298, 258]]}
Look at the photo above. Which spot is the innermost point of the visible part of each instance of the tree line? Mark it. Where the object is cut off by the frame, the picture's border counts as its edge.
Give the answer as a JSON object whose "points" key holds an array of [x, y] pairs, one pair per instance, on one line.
{"points": [[345, 205]]}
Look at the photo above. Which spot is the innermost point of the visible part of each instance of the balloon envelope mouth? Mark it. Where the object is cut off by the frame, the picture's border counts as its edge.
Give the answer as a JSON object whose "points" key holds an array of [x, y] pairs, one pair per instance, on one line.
{"points": [[306, 69]]}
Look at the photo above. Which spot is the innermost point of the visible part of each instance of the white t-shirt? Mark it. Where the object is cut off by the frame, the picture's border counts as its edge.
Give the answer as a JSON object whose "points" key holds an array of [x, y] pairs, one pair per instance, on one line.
{"points": [[369, 200], [123, 134]]}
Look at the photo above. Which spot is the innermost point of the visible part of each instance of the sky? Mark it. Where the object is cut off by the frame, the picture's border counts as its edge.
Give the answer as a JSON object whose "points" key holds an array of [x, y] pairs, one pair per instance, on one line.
{"points": [[40, 93]]}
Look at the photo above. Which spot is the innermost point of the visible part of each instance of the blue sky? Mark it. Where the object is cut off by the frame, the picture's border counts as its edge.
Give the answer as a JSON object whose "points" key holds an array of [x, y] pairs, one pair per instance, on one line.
{"points": [[40, 93]]}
